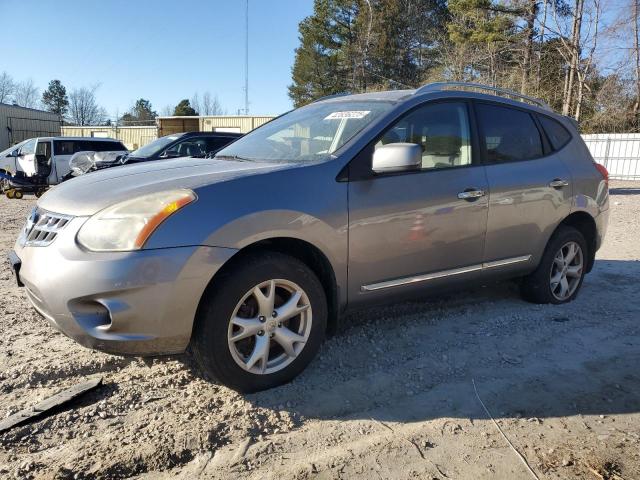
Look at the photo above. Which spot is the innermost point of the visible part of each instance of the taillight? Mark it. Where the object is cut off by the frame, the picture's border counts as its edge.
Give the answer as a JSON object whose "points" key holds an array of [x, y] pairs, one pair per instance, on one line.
{"points": [[603, 171]]}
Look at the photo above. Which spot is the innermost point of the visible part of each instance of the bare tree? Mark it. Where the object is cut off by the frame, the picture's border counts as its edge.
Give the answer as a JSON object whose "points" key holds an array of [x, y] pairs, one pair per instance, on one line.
{"points": [[586, 64], [83, 107], [530, 12], [211, 105], [195, 103], [26, 94], [167, 110], [7, 87]]}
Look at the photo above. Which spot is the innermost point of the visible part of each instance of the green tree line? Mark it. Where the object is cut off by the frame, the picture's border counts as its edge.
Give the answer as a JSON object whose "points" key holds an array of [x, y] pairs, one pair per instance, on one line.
{"points": [[584, 63]]}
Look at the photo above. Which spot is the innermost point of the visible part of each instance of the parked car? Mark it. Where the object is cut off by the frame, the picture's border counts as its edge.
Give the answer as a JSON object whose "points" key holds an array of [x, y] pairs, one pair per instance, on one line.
{"points": [[251, 257], [45, 160], [188, 144]]}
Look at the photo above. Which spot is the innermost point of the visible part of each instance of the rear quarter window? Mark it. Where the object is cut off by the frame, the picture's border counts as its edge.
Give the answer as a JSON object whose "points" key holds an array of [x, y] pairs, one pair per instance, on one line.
{"points": [[558, 135]]}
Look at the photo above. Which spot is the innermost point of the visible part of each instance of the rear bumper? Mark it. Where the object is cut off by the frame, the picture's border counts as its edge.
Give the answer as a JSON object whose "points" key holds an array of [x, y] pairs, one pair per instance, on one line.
{"points": [[137, 303], [602, 222]]}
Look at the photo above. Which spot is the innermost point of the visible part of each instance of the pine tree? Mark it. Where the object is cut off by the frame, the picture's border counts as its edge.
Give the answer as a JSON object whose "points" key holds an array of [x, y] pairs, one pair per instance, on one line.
{"points": [[321, 64], [184, 109], [55, 98]]}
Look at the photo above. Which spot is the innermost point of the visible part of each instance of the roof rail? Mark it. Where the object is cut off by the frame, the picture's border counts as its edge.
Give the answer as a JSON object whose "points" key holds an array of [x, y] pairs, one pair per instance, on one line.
{"points": [[327, 97], [440, 86]]}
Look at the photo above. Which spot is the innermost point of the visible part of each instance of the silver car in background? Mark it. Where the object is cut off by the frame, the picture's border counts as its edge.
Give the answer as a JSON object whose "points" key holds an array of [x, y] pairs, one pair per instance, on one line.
{"points": [[250, 258]]}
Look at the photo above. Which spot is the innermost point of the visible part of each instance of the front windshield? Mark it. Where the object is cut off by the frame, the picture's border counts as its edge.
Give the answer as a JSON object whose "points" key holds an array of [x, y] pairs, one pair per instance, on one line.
{"points": [[308, 134], [5, 153], [154, 147]]}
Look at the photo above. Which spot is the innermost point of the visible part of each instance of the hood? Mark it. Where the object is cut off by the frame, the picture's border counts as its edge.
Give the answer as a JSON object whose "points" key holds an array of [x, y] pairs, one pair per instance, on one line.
{"points": [[90, 193]]}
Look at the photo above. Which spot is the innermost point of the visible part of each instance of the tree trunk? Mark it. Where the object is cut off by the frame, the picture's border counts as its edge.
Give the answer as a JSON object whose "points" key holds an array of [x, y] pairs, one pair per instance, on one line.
{"points": [[636, 41], [543, 25], [575, 57], [530, 17], [579, 97]]}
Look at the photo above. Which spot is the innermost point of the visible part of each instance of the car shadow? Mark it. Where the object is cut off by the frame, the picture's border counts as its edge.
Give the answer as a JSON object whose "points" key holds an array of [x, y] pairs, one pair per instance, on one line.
{"points": [[418, 361]]}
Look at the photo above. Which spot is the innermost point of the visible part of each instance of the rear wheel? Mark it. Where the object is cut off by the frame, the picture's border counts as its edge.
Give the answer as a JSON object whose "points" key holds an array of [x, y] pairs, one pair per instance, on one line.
{"points": [[261, 324], [561, 272], [10, 193], [17, 194]]}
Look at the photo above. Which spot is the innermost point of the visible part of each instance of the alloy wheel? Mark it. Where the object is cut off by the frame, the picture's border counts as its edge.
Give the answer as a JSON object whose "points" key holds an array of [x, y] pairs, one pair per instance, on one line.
{"points": [[270, 326], [566, 271]]}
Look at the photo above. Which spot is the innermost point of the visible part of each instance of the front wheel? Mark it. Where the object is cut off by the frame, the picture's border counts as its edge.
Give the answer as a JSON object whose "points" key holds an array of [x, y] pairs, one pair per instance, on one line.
{"points": [[261, 323], [561, 272]]}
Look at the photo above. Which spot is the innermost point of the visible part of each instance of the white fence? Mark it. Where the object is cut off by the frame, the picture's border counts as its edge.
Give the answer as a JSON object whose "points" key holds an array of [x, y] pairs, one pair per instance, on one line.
{"points": [[618, 152]]}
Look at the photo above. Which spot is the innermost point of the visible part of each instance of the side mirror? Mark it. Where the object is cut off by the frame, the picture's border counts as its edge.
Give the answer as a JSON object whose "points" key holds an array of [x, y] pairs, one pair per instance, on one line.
{"points": [[14, 154], [397, 157]]}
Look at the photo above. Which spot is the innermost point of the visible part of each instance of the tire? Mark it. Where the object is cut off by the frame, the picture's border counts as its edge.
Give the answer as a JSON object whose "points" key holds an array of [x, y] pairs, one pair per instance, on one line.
{"points": [[17, 195], [10, 193], [234, 295], [547, 283]]}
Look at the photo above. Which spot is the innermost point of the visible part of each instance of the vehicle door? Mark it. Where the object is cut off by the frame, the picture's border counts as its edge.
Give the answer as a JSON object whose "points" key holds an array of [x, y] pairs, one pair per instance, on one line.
{"points": [[26, 161], [43, 155], [9, 158], [63, 150], [529, 184], [422, 228]]}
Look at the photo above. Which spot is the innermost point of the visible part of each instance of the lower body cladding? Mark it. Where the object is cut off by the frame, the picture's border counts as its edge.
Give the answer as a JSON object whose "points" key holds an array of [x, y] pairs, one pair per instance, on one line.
{"points": [[133, 303]]}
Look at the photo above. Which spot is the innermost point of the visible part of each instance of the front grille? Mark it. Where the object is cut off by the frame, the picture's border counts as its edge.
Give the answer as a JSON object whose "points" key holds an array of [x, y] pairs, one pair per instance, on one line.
{"points": [[43, 227]]}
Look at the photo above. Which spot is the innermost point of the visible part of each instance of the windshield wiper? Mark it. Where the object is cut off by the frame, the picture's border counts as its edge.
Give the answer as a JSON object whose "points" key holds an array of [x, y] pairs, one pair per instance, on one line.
{"points": [[233, 157]]}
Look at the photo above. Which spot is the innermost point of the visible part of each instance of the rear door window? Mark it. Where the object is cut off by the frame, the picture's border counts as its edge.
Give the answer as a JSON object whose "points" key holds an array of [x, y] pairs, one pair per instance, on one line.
{"points": [[69, 147], [558, 135], [509, 134], [98, 146]]}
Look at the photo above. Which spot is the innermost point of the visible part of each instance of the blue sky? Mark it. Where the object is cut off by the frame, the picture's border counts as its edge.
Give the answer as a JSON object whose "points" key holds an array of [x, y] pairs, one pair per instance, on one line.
{"points": [[160, 50]]}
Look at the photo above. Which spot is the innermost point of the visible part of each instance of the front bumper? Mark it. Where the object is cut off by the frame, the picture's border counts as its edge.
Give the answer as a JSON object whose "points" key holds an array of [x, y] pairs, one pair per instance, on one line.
{"points": [[137, 303]]}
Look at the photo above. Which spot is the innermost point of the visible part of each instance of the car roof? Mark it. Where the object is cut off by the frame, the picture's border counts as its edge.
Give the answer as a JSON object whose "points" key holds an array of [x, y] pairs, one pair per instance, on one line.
{"points": [[398, 96], [210, 134], [93, 139]]}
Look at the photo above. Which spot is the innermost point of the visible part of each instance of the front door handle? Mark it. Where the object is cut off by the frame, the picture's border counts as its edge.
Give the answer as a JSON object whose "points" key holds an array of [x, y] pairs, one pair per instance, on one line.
{"points": [[471, 194], [558, 183]]}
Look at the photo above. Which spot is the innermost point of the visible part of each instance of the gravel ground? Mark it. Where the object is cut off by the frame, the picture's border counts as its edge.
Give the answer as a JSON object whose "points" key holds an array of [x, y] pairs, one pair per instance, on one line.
{"points": [[390, 396]]}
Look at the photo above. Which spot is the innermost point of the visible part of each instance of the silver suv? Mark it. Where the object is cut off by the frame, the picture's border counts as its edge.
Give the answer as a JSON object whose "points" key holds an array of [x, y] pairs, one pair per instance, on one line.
{"points": [[251, 258]]}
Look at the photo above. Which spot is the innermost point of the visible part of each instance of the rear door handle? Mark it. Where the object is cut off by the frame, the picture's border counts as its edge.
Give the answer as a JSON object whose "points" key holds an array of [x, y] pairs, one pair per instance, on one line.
{"points": [[558, 183], [471, 194]]}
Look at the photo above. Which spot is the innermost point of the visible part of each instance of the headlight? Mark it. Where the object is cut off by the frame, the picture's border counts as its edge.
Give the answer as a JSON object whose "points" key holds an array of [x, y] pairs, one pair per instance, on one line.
{"points": [[127, 225]]}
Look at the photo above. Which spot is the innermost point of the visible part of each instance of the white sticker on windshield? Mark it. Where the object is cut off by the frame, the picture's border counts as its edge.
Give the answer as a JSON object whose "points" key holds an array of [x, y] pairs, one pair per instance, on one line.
{"points": [[348, 114]]}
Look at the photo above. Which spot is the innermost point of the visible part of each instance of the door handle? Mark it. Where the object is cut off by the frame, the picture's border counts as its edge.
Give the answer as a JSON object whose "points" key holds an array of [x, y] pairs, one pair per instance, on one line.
{"points": [[558, 183], [471, 194]]}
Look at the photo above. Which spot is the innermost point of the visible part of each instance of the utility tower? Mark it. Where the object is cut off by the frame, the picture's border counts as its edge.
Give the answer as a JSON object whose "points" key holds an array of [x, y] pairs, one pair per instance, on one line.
{"points": [[246, 59]]}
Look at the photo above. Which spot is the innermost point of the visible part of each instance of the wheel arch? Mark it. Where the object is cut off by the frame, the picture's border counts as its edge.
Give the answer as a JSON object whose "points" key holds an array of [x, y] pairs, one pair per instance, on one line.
{"points": [[585, 224], [302, 250]]}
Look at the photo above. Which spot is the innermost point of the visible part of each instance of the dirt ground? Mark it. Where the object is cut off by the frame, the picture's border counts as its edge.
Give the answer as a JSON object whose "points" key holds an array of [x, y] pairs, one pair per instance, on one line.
{"points": [[390, 396]]}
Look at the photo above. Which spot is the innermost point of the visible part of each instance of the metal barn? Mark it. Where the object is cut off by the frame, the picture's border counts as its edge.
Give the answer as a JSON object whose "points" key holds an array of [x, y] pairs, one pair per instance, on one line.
{"points": [[132, 137], [19, 123], [217, 123]]}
